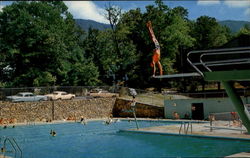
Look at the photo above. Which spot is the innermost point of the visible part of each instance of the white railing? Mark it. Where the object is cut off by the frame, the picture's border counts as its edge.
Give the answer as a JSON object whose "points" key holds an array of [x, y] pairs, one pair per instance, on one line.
{"points": [[206, 60]]}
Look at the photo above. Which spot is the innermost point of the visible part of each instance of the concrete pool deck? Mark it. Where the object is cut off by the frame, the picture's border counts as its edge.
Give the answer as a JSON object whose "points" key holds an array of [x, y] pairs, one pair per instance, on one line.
{"points": [[202, 129]]}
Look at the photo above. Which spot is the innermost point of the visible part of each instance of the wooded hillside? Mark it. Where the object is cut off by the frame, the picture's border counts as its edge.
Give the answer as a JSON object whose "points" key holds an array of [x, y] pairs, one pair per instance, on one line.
{"points": [[41, 45]]}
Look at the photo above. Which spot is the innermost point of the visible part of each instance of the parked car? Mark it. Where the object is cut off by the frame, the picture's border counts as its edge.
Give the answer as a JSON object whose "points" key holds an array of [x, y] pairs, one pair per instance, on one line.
{"points": [[98, 93], [57, 95], [26, 96]]}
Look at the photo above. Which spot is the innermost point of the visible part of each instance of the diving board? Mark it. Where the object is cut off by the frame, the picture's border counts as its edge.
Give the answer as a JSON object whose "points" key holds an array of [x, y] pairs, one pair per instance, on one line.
{"points": [[193, 74]]}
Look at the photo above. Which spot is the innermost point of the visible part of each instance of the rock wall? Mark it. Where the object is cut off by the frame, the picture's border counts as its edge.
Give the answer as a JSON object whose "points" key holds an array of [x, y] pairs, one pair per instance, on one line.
{"points": [[46, 111], [122, 109], [57, 110]]}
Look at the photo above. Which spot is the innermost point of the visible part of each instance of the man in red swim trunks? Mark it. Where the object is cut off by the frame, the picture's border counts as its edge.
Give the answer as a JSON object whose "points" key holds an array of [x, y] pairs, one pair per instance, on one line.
{"points": [[156, 52]]}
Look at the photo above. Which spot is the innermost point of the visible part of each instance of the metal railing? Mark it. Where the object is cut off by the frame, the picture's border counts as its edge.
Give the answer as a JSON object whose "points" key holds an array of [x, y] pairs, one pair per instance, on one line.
{"points": [[234, 122], [185, 127], [207, 60], [17, 150]]}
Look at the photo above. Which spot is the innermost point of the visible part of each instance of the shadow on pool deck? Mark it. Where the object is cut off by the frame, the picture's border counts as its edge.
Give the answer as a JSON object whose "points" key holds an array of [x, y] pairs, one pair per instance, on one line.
{"points": [[198, 130]]}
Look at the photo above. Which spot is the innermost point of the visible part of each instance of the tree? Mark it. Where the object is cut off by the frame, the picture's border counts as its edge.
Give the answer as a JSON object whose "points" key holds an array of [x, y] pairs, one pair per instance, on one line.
{"points": [[244, 31], [84, 74], [134, 23], [47, 48], [118, 53], [171, 29], [209, 34], [44, 43]]}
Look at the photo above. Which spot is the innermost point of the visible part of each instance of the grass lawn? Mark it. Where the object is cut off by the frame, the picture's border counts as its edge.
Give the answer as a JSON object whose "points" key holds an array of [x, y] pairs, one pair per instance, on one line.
{"points": [[148, 98]]}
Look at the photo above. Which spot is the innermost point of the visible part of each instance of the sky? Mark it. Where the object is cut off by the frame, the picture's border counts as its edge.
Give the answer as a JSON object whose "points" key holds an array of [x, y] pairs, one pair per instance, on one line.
{"points": [[219, 9]]}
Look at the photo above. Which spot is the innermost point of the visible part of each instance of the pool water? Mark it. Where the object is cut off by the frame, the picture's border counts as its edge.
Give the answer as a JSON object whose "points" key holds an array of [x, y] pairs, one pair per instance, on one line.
{"points": [[97, 140]]}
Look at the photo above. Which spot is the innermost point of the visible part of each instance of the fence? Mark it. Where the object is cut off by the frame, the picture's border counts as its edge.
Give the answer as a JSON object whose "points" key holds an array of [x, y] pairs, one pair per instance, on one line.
{"points": [[88, 92], [77, 90], [217, 121], [212, 94], [148, 97]]}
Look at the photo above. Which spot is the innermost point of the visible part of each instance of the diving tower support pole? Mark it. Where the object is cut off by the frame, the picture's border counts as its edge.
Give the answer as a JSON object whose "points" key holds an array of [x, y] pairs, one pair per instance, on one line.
{"points": [[238, 104]]}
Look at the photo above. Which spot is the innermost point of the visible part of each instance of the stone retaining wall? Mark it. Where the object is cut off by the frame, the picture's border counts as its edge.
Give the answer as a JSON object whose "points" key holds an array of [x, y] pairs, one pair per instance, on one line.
{"points": [[122, 107], [63, 109], [73, 110]]}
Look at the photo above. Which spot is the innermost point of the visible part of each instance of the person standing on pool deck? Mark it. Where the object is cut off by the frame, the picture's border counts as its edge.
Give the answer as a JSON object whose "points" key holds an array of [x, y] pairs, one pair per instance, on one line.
{"points": [[133, 102], [156, 52]]}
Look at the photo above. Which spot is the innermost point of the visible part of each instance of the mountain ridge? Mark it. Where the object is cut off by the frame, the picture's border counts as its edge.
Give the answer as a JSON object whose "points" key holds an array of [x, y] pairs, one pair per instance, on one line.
{"points": [[86, 24], [233, 25]]}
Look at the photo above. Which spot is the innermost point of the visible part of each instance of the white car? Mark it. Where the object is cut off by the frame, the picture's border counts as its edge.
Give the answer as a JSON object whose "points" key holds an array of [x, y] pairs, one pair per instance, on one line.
{"points": [[26, 96], [99, 93], [58, 95]]}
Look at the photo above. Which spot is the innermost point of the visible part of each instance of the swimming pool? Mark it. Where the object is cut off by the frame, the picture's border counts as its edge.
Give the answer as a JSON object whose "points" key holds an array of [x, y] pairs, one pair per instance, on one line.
{"points": [[97, 140]]}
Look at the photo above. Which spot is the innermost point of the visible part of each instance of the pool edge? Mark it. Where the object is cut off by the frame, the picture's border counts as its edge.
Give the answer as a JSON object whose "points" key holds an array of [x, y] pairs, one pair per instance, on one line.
{"points": [[185, 135]]}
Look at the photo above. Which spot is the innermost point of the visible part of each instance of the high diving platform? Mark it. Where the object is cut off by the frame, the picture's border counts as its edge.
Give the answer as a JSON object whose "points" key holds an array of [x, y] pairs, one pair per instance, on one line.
{"points": [[228, 66]]}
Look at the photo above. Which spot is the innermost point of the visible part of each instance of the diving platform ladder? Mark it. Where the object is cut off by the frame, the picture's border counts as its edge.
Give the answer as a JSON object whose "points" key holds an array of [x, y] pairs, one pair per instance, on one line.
{"points": [[227, 66]]}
